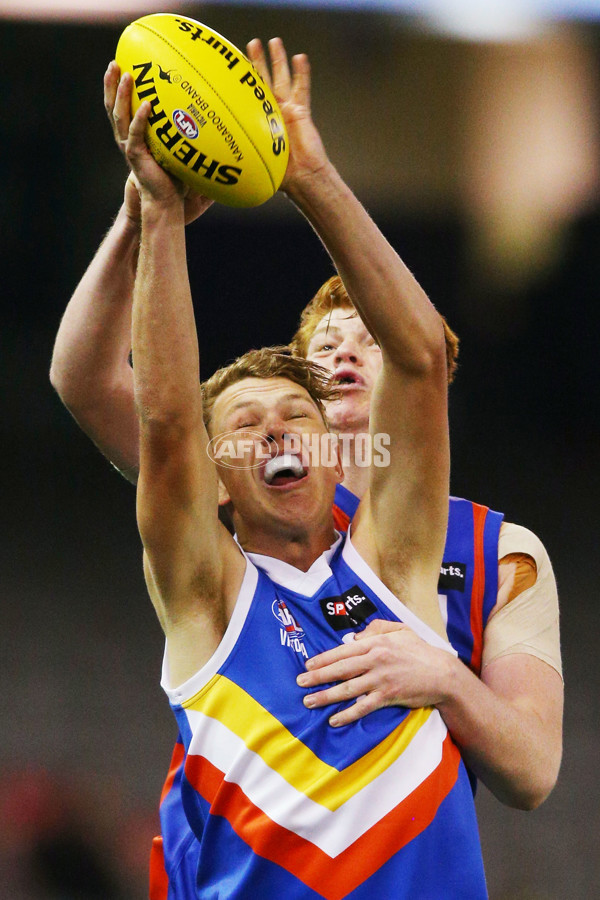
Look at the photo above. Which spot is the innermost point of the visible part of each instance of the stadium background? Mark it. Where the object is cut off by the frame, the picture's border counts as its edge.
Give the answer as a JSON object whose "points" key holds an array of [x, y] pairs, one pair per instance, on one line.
{"points": [[480, 161]]}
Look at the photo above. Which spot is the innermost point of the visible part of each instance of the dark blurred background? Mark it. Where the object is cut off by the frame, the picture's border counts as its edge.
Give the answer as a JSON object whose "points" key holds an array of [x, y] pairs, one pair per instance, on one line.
{"points": [[478, 155]]}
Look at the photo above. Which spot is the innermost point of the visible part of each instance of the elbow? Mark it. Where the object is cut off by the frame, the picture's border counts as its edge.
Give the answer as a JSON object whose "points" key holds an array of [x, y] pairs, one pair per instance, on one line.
{"points": [[57, 377], [68, 382], [436, 357], [165, 420], [78, 394], [530, 799], [532, 790], [67, 387], [540, 791], [543, 777], [429, 359]]}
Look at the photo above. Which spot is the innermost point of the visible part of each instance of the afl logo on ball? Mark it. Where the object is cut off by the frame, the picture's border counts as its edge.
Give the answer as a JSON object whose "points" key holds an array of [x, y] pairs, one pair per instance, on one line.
{"points": [[184, 124]]}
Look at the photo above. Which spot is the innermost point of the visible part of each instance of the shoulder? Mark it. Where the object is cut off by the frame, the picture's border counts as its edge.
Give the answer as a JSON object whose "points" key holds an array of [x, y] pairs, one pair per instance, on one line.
{"points": [[518, 539], [525, 618], [523, 562]]}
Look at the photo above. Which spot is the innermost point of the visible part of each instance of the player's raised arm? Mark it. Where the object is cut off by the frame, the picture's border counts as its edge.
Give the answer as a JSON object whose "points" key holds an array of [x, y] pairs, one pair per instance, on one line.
{"points": [[90, 367], [191, 561], [407, 505]]}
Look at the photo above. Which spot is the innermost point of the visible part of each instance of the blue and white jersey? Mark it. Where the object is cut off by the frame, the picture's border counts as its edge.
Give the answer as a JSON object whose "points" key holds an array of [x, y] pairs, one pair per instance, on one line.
{"points": [[281, 803], [467, 590]]}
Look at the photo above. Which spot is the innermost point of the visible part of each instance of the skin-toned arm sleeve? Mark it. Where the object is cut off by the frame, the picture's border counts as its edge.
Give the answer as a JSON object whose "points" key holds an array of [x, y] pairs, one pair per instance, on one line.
{"points": [[526, 617]]}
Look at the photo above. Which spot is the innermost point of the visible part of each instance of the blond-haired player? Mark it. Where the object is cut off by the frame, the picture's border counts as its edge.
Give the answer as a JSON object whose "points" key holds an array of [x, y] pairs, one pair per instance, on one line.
{"points": [[271, 791], [494, 725], [91, 372]]}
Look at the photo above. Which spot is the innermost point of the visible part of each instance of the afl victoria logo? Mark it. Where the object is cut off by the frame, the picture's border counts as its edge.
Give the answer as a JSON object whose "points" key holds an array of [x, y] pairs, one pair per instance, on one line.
{"points": [[184, 124], [286, 619]]}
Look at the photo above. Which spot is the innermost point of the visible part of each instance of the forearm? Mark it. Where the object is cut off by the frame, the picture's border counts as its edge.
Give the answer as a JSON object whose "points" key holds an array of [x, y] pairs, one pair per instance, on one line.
{"points": [[388, 297], [513, 744], [165, 347], [410, 402]]}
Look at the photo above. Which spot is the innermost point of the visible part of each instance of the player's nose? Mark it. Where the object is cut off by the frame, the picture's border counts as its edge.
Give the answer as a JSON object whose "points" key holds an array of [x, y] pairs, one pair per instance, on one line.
{"points": [[348, 351], [275, 430]]}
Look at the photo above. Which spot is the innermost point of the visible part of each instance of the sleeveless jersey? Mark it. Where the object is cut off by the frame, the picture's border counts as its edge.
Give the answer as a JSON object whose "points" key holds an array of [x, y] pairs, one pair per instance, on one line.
{"points": [[281, 803], [468, 587], [468, 583]]}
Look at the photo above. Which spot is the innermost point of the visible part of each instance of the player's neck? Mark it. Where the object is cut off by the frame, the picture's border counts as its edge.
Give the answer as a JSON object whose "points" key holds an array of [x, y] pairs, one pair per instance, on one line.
{"points": [[356, 475], [296, 548], [356, 479]]}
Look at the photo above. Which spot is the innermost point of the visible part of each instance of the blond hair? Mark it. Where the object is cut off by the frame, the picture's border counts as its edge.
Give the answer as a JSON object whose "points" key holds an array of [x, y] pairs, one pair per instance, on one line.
{"points": [[333, 295], [271, 362]]}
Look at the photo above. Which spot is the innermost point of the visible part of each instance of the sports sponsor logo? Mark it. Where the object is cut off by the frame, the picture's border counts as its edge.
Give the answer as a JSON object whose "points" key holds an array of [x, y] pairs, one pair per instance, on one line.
{"points": [[196, 33], [172, 140], [184, 124], [291, 634], [167, 76], [250, 78], [452, 576], [347, 610]]}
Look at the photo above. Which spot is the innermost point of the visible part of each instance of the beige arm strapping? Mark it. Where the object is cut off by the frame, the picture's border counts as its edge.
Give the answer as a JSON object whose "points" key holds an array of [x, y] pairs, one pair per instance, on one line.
{"points": [[529, 623]]}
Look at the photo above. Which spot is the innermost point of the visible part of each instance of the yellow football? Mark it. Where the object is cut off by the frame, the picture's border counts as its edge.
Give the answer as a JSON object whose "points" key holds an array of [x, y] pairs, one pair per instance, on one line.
{"points": [[214, 123]]}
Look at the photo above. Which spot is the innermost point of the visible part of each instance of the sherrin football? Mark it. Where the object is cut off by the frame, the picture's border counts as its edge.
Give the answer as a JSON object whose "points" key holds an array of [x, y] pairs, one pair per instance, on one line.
{"points": [[214, 122]]}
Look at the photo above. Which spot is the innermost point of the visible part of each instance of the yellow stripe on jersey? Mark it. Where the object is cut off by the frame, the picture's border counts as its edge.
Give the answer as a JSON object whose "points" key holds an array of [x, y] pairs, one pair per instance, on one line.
{"points": [[263, 733]]}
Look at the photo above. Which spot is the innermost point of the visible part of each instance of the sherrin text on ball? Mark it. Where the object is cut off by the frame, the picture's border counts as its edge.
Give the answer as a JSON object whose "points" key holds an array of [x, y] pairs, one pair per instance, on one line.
{"points": [[214, 122]]}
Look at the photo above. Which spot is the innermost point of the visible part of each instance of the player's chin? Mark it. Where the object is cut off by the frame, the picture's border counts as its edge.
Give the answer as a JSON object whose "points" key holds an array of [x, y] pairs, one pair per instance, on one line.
{"points": [[349, 412]]}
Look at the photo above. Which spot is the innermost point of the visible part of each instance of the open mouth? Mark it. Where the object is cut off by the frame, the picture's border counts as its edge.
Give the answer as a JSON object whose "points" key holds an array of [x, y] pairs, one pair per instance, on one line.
{"points": [[346, 377], [284, 469]]}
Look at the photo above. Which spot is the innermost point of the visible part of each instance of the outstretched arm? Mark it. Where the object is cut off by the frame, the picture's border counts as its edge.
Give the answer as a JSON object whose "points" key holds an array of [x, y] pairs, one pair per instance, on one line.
{"points": [[400, 528], [90, 364], [192, 565], [500, 721]]}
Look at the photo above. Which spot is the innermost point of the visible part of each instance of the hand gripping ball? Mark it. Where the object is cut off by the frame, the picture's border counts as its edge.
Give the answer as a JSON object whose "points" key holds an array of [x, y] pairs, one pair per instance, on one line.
{"points": [[214, 122]]}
